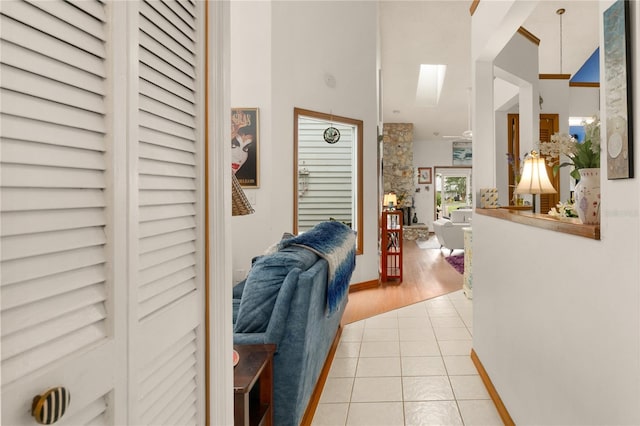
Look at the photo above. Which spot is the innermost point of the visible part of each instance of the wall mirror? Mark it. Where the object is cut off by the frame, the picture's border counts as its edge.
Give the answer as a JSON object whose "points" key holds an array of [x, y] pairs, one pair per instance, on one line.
{"points": [[327, 171]]}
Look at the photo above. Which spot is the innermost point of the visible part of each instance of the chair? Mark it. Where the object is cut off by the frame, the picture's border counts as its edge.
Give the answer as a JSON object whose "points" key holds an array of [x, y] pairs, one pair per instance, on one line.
{"points": [[449, 234]]}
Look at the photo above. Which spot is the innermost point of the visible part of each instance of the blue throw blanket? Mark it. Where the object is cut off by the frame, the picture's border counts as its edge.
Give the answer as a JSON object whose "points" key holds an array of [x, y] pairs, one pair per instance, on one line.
{"points": [[336, 243]]}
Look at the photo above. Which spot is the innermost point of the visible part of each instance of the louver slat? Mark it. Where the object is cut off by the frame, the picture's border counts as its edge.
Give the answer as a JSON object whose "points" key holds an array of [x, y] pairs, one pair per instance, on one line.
{"points": [[65, 31], [151, 372], [186, 16], [19, 152], [153, 136], [14, 271], [29, 245], [163, 168], [160, 256], [156, 152], [154, 121], [161, 212], [163, 182], [166, 240], [21, 35], [20, 128], [174, 373], [49, 309], [165, 111], [184, 25], [176, 399], [22, 199], [42, 288], [159, 79], [18, 175], [168, 32], [165, 283], [28, 339], [189, 6], [45, 66], [170, 71], [161, 271], [34, 85], [71, 15], [94, 9], [38, 109], [159, 226], [164, 298], [154, 92], [93, 414], [155, 198], [29, 362]]}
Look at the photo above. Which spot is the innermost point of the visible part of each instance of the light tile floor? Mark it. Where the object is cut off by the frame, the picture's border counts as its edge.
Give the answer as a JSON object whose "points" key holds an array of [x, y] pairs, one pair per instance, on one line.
{"points": [[410, 366]]}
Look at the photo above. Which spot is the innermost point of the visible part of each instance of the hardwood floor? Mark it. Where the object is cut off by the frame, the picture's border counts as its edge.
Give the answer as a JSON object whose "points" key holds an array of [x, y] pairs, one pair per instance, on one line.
{"points": [[426, 275]]}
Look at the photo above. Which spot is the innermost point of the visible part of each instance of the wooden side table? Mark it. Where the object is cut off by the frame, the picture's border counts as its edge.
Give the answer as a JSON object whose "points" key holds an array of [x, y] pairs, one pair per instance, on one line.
{"points": [[391, 245], [253, 385]]}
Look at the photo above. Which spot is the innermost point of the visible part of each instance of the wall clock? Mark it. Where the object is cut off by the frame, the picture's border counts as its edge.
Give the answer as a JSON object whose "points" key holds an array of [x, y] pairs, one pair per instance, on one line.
{"points": [[331, 135]]}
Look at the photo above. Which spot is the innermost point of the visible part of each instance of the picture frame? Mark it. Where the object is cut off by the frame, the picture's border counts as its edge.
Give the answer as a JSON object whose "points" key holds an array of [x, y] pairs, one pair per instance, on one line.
{"points": [[461, 153], [618, 94], [424, 175], [245, 139]]}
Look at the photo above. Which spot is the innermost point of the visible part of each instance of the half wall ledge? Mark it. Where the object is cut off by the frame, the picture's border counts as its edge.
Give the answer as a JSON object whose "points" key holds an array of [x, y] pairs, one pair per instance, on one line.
{"points": [[566, 225]]}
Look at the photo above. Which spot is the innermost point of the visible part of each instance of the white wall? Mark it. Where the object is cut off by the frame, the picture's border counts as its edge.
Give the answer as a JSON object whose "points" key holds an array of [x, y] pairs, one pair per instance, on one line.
{"points": [[557, 317], [281, 52]]}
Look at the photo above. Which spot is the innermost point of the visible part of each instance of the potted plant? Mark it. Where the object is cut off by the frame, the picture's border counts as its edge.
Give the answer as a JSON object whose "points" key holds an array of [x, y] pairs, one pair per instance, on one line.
{"points": [[585, 159]]}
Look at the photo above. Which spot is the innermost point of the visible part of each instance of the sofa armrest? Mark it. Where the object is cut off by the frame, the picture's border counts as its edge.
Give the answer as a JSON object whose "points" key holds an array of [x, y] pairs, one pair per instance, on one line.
{"points": [[278, 321]]}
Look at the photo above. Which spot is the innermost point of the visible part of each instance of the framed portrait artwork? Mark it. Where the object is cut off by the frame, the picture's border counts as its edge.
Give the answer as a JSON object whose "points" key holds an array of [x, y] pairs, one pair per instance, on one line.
{"points": [[245, 136], [424, 175], [617, 76]]}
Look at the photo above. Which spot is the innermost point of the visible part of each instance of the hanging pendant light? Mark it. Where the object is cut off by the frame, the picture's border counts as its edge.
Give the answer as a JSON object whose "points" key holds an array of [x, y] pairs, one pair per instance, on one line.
{"points": [[560, 12]]}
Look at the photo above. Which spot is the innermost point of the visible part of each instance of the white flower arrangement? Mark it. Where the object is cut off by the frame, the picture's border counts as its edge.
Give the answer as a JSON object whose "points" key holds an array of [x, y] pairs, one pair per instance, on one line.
{"points": [[581, 155], [563, 210]]}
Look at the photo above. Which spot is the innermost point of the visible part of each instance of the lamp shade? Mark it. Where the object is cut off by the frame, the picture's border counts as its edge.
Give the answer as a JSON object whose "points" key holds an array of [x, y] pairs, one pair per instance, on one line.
{"points": [[239, 203], [390, 200], [534, 179]]}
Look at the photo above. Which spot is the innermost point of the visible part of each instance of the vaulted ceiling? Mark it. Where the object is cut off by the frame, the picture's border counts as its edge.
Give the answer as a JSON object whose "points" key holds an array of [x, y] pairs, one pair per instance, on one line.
{"points": [[439, 32]]}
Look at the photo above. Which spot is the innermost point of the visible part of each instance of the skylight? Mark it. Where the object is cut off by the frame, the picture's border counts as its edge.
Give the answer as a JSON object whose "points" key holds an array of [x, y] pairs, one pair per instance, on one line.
{"points": [[430, 83]]}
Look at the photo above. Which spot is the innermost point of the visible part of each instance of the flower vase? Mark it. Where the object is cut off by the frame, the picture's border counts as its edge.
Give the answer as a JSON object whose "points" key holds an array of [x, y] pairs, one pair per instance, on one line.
{"points": [[587, 194]]}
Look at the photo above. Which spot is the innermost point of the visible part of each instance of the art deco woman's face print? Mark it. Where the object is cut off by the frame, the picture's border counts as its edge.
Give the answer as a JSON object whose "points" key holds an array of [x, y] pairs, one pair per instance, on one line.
{"points": [[239, 150]]}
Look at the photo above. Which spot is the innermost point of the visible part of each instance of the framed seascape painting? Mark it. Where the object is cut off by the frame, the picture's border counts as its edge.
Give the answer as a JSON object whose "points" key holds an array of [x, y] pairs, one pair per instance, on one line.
{"points": [[462, 153], [424, 175], [617, 76], [244, 146]]}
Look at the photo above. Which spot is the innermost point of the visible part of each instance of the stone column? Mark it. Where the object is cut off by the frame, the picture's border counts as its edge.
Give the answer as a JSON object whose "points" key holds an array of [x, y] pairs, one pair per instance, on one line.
{"points": [[397, 161]]}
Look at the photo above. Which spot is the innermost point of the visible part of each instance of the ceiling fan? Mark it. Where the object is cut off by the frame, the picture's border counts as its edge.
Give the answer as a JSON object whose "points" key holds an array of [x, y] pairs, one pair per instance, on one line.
{"points": [[467, 134]]}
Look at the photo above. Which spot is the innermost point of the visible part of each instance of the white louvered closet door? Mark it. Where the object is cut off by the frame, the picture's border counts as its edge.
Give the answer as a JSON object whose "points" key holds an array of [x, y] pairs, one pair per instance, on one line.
{"points": [[101, 235], [57, 299], [169, 280]]}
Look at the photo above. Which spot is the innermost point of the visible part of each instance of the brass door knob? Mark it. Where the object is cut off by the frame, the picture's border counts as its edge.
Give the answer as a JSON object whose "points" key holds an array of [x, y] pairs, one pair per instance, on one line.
{"points": [[49, 407]]}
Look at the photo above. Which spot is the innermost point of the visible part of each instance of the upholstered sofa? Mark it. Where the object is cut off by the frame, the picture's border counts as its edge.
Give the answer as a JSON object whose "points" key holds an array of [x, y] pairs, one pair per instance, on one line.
{"points": [[295, 298], [449, 232]]}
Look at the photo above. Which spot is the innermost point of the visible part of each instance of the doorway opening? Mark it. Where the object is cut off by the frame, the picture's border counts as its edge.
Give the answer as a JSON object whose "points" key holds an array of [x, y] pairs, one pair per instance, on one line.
{"points": [[453, 190]]}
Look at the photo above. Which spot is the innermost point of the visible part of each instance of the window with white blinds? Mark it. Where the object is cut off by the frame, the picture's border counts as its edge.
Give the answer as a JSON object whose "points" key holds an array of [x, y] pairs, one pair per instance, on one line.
{"points": [[329, 173], [53, 214]]}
